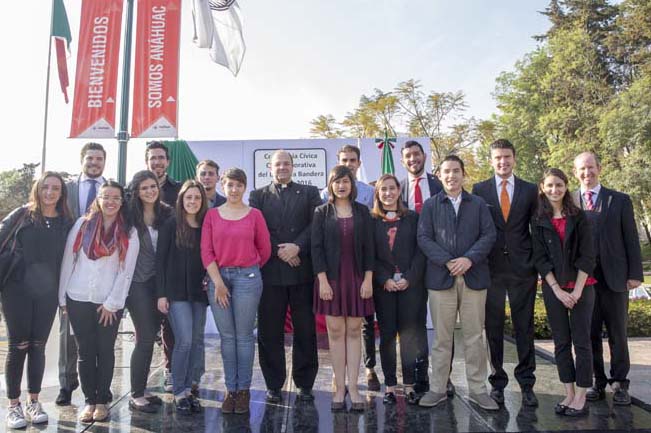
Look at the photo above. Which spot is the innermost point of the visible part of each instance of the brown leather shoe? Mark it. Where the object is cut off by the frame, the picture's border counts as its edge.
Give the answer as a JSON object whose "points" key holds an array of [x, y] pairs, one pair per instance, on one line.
{"points": [[101, 412], [86, 415], [242, 399], [228, 406]]}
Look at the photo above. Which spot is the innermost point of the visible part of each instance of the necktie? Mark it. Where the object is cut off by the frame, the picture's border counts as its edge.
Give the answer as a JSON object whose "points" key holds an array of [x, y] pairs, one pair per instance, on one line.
{"points": [[92, 193], [418, 196], [505, 203], [589, 205]]}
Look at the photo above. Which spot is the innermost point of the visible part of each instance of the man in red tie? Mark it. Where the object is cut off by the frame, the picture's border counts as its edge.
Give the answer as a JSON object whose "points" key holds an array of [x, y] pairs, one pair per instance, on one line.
{"points": [[415, 189]]}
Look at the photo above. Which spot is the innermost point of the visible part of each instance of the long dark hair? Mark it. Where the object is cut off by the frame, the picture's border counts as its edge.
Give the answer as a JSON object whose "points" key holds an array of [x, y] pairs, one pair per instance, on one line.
{"points": [[34, 204], [136, 210], [124, 214], [545, 208], [338, 172], [184, 233], [378, 208]]}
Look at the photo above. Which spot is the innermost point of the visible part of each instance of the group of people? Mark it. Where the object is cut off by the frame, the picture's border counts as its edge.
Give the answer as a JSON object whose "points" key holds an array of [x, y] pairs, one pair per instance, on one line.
{"points": [[166, 251]]}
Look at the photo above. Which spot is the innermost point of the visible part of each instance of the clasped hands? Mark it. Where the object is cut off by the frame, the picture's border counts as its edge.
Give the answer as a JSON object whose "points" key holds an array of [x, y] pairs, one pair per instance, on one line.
{"points": [[288, 253], [459, 266]]}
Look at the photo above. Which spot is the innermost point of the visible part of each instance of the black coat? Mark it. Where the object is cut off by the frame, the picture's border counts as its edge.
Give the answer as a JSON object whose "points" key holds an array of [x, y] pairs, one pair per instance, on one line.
{"points": [[405, 255], [567, 259], [513, 250], [179, 271], [170, 191], [618, 251], [326, 249], [435, 187], [289, 220]]}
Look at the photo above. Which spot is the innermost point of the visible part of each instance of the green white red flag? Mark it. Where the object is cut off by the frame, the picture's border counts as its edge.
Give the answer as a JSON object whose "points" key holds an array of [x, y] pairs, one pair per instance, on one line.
{"points": [[62, 39]]}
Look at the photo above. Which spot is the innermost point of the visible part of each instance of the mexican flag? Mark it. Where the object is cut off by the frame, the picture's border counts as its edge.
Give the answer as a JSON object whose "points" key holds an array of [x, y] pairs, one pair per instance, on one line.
{"points": [[62, 38]]}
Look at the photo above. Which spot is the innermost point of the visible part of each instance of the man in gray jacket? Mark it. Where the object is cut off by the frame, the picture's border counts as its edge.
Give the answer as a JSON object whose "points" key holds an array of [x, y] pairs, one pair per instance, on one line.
{"points": [[456, 233]]}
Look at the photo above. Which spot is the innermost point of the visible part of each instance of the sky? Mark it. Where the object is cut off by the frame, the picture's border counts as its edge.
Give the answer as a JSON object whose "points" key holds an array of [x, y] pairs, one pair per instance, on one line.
{"points": [[304, 58]]}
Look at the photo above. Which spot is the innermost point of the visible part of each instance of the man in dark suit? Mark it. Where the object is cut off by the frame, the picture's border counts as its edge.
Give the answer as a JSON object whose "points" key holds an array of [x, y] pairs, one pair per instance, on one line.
{"points": [[417, 187], [207, 174], [288, 208], [512, 202], [81, 193], [619, 269]]}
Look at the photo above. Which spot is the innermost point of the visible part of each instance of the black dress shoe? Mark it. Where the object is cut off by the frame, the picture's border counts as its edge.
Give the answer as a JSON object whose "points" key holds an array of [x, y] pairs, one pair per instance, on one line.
{"points": [[560, 408], [195, 404], [412, 398], [338, 406], [497, 395], [576, 413], [449, 390], [389, 398], [621, 397], [155, 400], [64, 397], [594, 394], [273, 396], [305, 394], [182, 406], [529, 398], [145, 408]]}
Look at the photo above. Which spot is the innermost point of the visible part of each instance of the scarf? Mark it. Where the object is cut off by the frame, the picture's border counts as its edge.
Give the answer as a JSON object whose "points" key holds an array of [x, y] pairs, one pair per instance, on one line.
{"points": [[98, 243]]}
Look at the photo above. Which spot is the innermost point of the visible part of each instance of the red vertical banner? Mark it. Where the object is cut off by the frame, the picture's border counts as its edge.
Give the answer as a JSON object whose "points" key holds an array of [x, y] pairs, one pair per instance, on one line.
{"points": [[156, 75], [93, 110]]}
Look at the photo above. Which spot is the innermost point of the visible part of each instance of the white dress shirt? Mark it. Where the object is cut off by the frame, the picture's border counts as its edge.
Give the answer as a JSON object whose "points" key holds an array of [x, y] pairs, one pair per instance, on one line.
{"points": [[424, 188], [84, 187], [103, 281], [510, 185], [456, 202]]}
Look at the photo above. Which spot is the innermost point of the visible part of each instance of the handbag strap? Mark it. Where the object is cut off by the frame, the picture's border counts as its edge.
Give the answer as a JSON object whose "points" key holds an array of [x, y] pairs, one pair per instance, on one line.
{"points": [[13, 231]]}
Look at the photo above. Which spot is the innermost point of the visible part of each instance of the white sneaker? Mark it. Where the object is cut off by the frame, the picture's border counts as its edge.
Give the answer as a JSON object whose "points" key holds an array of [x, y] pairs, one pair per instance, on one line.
{"points": [[15, 417], [35, 412], [167, 381]]}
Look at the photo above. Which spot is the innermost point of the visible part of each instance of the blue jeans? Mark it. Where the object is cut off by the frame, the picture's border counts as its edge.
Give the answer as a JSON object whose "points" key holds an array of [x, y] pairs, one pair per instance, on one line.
{"points": [[188, 320], [236, 322]]}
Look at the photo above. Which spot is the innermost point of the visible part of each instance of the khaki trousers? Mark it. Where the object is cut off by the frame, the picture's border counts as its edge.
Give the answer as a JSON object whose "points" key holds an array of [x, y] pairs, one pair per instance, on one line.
{"points": [[470, 305]]}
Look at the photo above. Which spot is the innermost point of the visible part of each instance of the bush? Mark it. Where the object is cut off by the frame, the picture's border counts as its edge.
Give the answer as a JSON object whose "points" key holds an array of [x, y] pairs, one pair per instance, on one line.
{"points": [[639, 320]]}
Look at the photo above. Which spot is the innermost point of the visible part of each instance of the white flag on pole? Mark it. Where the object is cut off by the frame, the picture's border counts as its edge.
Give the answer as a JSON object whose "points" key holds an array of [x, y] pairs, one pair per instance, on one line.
{"points": [[218, 27]]}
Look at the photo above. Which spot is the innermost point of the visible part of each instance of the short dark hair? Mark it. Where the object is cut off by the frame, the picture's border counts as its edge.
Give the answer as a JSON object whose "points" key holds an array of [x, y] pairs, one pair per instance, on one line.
{"points": [[157, 144], [209, 163], [234, 174], [453, 158], [349, 148], [411, 143], [503, 143], [91, 146], [338, 172]]}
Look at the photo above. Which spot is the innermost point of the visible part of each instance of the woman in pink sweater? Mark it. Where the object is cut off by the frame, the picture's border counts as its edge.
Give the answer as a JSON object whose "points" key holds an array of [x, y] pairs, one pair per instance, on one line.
{"points": [[235, 243]]}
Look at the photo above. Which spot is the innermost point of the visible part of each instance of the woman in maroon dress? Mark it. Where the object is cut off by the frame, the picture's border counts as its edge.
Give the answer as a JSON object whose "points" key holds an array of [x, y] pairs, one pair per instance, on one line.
{"points": [[342, 257]]}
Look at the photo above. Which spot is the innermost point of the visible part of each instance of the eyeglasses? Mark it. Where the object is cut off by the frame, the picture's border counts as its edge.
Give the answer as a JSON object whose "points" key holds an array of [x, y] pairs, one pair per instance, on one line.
{"points": [[107, 198]]}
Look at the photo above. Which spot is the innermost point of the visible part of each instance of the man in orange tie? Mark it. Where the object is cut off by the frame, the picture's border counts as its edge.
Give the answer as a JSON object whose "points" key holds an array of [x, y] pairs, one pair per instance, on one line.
{"points": [[512, 202]]}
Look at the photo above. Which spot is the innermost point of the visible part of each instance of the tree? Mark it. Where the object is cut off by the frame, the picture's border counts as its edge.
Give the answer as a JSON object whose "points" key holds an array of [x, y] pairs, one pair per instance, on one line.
{"points": [[15, 186], [325, 126]]}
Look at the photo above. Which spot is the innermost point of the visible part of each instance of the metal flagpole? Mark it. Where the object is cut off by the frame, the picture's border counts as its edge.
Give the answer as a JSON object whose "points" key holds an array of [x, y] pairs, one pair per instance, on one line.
{"points": [[47, 89], [123, 133]]}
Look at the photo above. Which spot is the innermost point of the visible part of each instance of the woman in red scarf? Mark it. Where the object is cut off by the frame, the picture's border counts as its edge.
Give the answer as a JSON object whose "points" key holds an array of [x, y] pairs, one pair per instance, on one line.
{"points": [[98, 264]]}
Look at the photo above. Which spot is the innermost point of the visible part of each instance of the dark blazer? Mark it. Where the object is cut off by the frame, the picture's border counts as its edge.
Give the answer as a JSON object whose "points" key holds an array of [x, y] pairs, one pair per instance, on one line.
{"points": [[170, 191], [618, 243], [513, 251], [219, 200], [72, 189], [179, 271], [443, 236], [405, 255], [288, 221], [435, 187], [326, 249], [566, 259]]}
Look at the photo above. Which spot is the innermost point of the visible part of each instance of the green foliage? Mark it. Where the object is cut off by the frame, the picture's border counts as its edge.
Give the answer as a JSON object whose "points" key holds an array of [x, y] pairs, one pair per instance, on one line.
{"points": [[639, 320], [15, 186]]}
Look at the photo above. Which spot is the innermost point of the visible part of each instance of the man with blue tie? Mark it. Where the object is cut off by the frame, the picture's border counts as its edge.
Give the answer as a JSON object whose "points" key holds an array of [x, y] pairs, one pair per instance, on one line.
{"points": [[81, 194]]}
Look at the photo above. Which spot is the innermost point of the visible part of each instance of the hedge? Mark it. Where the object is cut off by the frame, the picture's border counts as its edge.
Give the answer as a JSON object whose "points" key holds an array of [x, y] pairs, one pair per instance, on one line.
{"points": [[639, 320]]}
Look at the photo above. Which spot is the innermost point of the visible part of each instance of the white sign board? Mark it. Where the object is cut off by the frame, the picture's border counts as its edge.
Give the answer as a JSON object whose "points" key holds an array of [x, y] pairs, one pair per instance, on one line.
{"points": [[309, 167]]}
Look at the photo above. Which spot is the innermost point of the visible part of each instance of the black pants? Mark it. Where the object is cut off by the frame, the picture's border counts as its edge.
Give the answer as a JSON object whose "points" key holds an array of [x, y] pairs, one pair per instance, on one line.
{"points": [[271, 335], [368, 337], [571, 327], [611, 309], [142, 304], [167, 337], [29, 318], [522, 296], [395, 314], [96, 345]]}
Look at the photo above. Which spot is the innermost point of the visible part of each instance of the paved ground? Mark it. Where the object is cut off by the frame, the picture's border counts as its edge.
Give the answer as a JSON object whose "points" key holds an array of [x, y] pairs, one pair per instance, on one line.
{"points": [[457, 415]]}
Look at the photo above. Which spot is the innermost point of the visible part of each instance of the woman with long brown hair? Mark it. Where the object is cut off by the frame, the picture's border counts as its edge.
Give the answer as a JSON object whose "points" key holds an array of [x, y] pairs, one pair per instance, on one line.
{"points": [[37, 232], [180, 274], [98, 265], [564, 255]]}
